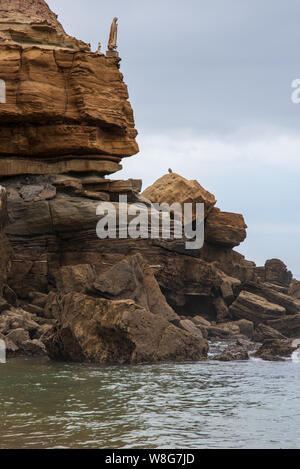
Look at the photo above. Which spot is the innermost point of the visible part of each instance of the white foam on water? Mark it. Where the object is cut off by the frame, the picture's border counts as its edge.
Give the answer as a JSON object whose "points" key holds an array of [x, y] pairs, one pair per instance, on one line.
{"points": [[2, 352], [296, 356]]}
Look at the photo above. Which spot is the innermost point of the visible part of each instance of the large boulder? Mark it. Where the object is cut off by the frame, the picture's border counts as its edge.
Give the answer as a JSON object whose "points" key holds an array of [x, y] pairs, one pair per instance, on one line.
{"points": [[173, 188], [105, 331], [263, 332], [265, 290], [255, 308], [294, 289], [276, 272], [225, 229], [288, 325], [133, 279], [275, 349]]}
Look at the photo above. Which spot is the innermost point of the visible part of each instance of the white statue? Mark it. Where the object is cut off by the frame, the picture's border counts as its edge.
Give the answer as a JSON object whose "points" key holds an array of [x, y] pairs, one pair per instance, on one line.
{"points": [[99, 48]]}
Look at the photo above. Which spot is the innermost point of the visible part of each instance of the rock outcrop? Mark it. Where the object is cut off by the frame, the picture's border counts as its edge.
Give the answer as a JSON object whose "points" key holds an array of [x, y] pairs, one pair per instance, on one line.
{"points": [[67, 109], [117, 331], [66, 125]]}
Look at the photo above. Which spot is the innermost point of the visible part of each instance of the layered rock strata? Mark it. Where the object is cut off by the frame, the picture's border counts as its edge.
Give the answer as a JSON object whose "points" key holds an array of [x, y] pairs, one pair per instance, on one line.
{"points": [[65, 127]]}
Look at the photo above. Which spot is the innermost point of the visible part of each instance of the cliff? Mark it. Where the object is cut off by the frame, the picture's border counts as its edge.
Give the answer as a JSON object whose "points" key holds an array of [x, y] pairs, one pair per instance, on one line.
{"points": [[65, 126]]}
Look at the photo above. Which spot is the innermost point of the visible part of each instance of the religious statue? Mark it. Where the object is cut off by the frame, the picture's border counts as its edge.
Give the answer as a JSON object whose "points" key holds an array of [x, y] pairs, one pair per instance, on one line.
{"points": [[112, 43], [99, 48]]}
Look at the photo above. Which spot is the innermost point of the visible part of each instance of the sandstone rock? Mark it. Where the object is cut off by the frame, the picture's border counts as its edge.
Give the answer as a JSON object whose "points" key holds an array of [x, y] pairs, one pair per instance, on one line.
{"points": [[189, 326], [77, 278], [236, 352], [173, 188], [255, 308], [289, 325], [33, 348], [32, 22], [264, 290], [133, 279], [38, 298], [222, 312], [294, 289], [225, 229], [18, 336], [3, 305], [34, 309], [199, 320], [105, 331], [276, 272], [67, 108], [229, 288], [9, 295], [263, 332], [17, 318], [246, 327], [42, 331], [275, 349]]}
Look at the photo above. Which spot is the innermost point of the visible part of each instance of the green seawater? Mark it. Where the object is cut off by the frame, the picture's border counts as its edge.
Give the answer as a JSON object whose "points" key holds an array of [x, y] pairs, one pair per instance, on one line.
{"points": [[252, 404]]}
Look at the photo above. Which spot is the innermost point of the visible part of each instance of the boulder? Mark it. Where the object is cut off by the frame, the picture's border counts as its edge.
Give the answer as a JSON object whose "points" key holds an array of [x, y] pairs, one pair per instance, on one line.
{"points": [[189, 326], [275, 349], [225, 229], [105, 331], [289, 325], [263, 332], [173, 188], [222, 311], [254, 308], [246, 327], [294, 289], [234, 352], [276, 272], [200, 321], [75, 278], [18, 336], [265, 290], [133, 279]]}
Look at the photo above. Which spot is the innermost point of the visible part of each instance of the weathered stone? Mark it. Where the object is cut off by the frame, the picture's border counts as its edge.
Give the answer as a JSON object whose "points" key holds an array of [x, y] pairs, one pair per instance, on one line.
{"points": [[77, 278], [236, 352], [222, 311], [38, 298], [189, 326], [225, 229], [276, 272], [67, 108], [291, 305], [199, 320], [105, 331], [294, 289], [275, 349], [173, 188], [33, 348], [263, 332], [255, 308], [289, 325], [246, 327], [133, 279], [18, 336]]}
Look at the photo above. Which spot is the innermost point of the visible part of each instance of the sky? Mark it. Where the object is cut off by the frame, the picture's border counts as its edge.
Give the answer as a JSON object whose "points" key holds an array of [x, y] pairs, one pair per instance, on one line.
{"points": [[210, 82]]}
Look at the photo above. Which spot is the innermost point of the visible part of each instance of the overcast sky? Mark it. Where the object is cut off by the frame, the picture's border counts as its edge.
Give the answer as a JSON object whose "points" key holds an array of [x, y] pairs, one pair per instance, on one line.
{"points": [[210, 84]]}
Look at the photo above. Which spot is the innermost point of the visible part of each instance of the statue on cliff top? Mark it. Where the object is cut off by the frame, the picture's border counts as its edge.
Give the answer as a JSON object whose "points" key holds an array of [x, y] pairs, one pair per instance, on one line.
{"points": [[113, 36], [112, 43]]}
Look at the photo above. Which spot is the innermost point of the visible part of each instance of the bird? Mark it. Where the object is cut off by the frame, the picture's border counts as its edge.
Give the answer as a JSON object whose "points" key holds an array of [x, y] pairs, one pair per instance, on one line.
{"points": [[170, 171]]}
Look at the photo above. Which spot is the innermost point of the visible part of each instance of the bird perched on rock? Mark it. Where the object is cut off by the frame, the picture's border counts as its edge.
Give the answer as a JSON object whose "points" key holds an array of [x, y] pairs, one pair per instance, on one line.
{"points": [[170, 171]]}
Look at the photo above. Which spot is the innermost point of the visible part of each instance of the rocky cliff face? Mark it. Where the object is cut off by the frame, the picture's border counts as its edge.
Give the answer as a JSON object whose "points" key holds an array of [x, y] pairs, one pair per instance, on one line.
{"points": [[66, 125], [67, 109]]}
